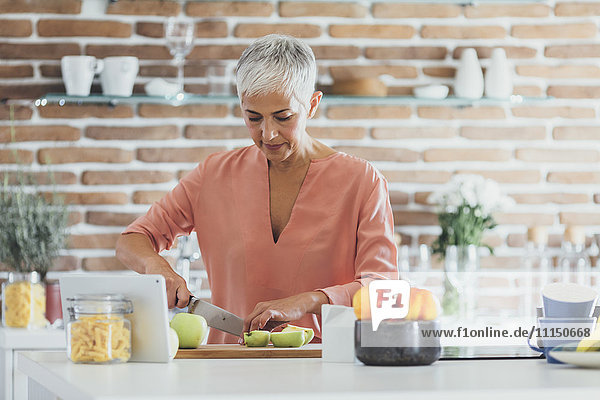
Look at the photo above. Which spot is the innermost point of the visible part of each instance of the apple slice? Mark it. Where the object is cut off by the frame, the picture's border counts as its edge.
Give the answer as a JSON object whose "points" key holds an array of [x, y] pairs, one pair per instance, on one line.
{"points": [[257, 338], [288, 339], [310, 334]]}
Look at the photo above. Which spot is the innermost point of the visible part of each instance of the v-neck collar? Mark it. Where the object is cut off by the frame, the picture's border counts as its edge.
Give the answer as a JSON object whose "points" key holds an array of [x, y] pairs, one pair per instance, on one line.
{"points": [[296, 200], [251, 183]]}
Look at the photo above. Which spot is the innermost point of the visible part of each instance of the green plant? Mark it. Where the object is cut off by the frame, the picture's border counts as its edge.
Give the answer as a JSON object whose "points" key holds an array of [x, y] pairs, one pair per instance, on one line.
{"points": [[33, 226], [465, 208], [463, 227]]}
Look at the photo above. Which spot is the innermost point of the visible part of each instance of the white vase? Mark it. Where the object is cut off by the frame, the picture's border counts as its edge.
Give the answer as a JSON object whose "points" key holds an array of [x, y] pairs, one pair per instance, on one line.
{"points": [[468, 82], [498, 77]]}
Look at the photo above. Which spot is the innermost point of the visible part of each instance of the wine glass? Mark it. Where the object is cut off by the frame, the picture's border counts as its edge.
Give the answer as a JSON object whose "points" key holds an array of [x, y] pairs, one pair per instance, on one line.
{"points": [[180, 39]]}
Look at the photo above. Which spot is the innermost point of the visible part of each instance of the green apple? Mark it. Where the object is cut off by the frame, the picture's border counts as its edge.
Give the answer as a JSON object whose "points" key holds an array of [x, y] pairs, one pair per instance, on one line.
{"points": [[257, 338], [310, 334], [191, 329], [173, 343], [288, 339]]}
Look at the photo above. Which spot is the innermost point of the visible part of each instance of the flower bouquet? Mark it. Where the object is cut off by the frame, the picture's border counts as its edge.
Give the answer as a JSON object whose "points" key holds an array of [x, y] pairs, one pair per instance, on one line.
{"points": [[465, 208]]}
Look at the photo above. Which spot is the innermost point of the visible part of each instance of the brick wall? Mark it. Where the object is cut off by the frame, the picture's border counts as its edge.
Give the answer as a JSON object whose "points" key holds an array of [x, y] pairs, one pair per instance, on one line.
{"points": [[113, 162]]}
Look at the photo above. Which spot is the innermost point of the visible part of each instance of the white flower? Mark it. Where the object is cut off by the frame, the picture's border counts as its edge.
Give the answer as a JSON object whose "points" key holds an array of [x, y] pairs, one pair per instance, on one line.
{"points": [[472, 190]]}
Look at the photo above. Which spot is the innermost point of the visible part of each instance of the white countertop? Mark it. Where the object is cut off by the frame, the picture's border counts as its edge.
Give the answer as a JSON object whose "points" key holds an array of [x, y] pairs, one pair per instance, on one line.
{"points": [[312, 378], [18, 338]]}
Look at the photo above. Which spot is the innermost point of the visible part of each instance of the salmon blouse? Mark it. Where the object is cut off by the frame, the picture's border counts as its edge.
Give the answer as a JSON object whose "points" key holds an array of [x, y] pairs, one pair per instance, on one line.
{"points": [[339, 234]]}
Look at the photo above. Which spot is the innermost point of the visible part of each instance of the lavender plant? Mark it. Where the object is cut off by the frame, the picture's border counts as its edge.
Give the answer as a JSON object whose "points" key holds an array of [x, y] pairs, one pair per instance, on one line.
{"points": [[33, 229]]}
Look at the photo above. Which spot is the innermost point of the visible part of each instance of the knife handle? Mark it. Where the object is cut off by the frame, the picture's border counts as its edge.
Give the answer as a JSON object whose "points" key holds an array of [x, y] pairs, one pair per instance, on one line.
{"points": [[270, 325]]}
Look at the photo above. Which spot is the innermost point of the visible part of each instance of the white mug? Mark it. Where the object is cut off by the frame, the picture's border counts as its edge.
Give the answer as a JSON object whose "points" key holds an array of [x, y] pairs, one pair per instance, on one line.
{"points": [[118, 76], [78, 73]]}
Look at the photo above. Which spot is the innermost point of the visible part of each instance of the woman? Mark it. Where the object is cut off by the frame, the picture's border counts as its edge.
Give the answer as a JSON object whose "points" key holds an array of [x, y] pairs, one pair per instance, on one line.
{"points": [[284, 225]]}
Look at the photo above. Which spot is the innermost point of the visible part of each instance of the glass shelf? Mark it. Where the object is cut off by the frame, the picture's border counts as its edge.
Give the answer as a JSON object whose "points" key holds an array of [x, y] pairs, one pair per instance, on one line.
{"points": [[462, 2], [189, 99]]}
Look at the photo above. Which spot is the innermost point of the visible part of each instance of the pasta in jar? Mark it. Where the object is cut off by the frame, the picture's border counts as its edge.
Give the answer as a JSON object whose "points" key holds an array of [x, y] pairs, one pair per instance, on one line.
{"points": [[98, 330], [24, 301]]}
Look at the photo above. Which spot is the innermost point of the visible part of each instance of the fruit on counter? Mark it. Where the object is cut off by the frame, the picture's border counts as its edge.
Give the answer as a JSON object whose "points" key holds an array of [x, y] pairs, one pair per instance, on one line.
{"points": [[361, 303], [592, 342], [422, 306], [288, 339], [191, 329], [173, 343], [309, 333], [257, 338]]}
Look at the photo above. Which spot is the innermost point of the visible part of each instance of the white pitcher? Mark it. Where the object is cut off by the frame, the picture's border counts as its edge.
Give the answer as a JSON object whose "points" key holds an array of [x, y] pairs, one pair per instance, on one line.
{"points": [[498, 76], [468, 82]]}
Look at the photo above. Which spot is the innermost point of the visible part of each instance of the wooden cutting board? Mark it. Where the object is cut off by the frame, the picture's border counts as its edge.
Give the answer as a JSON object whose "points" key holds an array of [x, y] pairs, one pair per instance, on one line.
{"points": [[239, 351]]}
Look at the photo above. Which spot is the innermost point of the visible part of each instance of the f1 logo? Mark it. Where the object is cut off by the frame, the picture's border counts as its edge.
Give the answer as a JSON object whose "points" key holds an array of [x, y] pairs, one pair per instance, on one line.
{"points": [[388, 299]]}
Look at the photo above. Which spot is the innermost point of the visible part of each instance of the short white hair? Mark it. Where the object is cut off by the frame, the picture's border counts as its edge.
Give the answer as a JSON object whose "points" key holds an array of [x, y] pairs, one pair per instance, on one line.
{"points": [[277, 64]]}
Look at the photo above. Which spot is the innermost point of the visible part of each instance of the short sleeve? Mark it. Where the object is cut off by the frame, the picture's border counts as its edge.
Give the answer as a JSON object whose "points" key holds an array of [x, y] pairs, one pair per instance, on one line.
{"points": [[376, 253], [173, 215]]}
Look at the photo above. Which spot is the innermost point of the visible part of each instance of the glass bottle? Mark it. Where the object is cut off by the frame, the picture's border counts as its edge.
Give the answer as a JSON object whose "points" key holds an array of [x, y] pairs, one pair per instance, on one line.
{"points": [[574, 263], [537, 267], [403, 257]]}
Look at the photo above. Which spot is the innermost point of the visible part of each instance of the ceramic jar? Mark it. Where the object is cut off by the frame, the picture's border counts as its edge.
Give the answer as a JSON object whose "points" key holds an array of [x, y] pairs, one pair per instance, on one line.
{"points": [[468, 82], [498, 76]]}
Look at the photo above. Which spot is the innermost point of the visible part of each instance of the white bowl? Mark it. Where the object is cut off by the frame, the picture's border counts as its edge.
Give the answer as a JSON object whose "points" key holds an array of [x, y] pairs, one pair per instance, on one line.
{"points": [[431, 92], [160, 87]]}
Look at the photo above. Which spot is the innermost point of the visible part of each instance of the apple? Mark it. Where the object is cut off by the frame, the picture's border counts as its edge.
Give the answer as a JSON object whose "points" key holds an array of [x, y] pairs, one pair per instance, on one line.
{"points": [[173, 343], [361, 303], [191, 329], [423, 305]]}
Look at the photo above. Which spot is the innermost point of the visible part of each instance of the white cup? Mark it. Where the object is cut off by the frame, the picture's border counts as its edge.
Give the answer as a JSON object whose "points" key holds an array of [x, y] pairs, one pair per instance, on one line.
{"points": [[78, 73], [118, 75]]}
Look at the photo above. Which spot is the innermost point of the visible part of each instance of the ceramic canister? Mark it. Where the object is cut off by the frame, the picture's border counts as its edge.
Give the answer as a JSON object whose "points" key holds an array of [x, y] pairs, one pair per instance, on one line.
{"points": [[468, 82]]}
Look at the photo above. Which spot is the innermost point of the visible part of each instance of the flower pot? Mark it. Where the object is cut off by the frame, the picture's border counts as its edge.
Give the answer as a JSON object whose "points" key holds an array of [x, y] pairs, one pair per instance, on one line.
{"points": [[23, 301]]}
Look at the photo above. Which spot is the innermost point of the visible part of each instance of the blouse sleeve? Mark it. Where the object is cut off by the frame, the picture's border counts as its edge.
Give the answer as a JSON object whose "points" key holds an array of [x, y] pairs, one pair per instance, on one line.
{"points": [[171, 216], [376, 254]]}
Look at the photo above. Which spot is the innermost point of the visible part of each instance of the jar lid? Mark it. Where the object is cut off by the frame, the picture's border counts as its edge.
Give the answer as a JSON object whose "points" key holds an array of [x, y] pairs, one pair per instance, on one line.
{"points": [[106, 303]]}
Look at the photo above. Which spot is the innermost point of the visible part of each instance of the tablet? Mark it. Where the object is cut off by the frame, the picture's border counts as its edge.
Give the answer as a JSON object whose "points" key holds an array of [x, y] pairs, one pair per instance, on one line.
{"points": [[150, 319]]}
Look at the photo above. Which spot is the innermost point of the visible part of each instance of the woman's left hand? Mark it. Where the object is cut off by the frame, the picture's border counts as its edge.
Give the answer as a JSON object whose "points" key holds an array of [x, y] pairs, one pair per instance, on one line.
{"points": [[287, 309]]}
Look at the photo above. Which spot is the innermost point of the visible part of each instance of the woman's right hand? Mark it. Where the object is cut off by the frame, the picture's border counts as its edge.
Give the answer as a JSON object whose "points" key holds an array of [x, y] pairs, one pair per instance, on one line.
{"points": [[178, 294], [136, 252]]}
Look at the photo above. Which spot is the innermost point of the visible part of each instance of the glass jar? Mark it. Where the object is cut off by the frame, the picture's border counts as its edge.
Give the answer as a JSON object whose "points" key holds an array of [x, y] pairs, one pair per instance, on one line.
{"points": [[461, 264], [23, 301], [98, 331]]}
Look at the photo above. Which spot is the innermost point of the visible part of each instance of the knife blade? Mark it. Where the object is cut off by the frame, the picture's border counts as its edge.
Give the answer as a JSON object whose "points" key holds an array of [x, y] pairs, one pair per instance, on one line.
{"points": [[216, 317]]}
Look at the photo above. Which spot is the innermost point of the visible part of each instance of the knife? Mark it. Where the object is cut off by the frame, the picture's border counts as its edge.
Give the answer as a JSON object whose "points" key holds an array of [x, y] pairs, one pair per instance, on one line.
{"points": [[216, 317], [221, 319]]}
